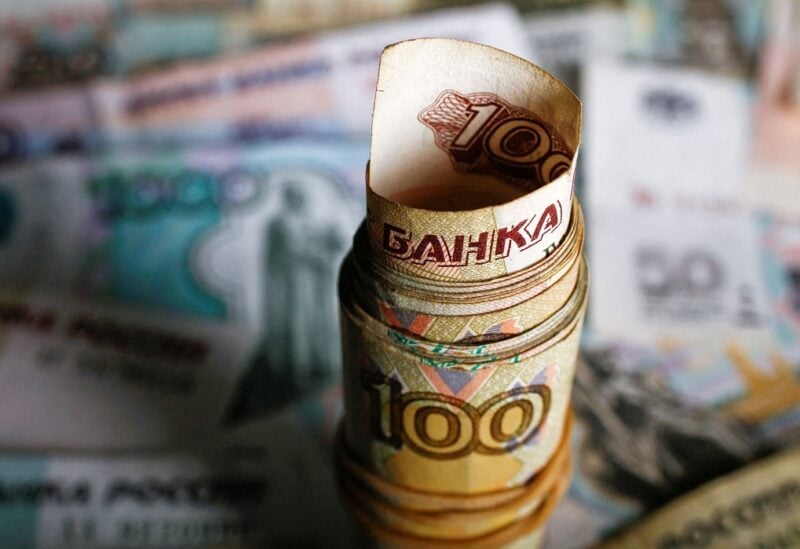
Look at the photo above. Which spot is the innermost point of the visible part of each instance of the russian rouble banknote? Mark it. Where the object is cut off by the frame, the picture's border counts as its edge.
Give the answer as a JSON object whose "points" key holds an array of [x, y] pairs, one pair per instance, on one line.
{"points": [[43, 44], [564, 41], [266, 483], [719, 35], [663, 213], [244, 236], [693, 334], [89, 376], [774, 180], [316, 85], [756, 507]]}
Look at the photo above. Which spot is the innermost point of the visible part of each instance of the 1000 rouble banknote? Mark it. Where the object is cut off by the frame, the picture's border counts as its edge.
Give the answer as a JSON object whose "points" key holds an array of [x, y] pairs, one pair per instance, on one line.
{"points": [[247, 235]]}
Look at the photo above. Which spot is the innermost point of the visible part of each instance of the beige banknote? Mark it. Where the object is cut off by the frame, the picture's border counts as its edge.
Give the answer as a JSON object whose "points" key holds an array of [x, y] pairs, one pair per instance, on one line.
{"points": [[758, 506], [457, 418], [448, 312], [472, 163], [774, 178], [450, 517], [459, 350]]}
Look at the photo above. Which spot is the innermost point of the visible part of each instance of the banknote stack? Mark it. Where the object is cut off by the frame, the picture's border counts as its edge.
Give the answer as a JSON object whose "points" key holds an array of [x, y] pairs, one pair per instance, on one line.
{"points": [[462, 301]]}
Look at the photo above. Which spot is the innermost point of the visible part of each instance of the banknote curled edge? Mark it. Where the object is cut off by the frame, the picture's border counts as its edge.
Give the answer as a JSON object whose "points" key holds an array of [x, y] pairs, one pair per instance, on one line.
{"points": [[456, 384]]}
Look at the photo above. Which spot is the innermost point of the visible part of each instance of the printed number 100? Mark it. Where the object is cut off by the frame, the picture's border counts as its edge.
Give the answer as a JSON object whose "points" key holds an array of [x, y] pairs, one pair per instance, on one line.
{"points": [[440, 426]]}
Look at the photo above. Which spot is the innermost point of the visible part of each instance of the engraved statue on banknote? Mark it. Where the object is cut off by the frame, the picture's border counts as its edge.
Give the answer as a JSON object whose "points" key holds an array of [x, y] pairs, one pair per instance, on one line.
{"points": [[302, 243]]}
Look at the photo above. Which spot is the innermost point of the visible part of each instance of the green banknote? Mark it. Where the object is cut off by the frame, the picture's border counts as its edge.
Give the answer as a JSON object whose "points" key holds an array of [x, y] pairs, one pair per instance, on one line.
{"points": [[246, 235], [268, 483]]}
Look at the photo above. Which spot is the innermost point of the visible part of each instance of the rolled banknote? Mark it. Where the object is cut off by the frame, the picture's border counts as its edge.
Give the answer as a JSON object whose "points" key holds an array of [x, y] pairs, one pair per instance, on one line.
{"points": [[447, 517], [523, 528], [463, 418], [497, 166], [757, 506], [393, 382], [451, 312]]}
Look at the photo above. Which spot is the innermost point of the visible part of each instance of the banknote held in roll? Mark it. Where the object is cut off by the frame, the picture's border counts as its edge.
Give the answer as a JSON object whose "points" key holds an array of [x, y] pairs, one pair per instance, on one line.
{"points": [[470, 179]]}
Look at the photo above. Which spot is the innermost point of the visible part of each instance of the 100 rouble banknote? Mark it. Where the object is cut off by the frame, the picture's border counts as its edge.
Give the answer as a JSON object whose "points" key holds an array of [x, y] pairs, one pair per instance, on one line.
{"points": [[469, 193], [472, 158]]}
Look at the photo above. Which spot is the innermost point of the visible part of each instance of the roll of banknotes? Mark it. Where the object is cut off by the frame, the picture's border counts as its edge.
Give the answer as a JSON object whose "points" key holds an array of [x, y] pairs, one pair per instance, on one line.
{"points": [[462, 300], [450, 312]]}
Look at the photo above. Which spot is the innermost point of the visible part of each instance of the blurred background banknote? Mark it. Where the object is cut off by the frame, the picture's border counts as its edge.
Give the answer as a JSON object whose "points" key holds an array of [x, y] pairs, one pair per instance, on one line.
{"points": [[246, 490], [320, 85], [181, 178], [245, 236]]}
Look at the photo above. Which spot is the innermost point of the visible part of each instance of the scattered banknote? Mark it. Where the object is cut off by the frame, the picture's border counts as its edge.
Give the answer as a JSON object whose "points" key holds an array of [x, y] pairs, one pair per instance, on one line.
{"points": [[50, 43], [720, 35], [317, 85], [752, 376], [676, 276], [279, 17], [774, 178], [562, 41], [735, 399], [322, 84], [79, 375], [779, 240], [638, 443], [266, 483], [46, 43], [43, 122], [245, 235], [721, 314], [755, 507], [693, 333], [662, 120]]}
